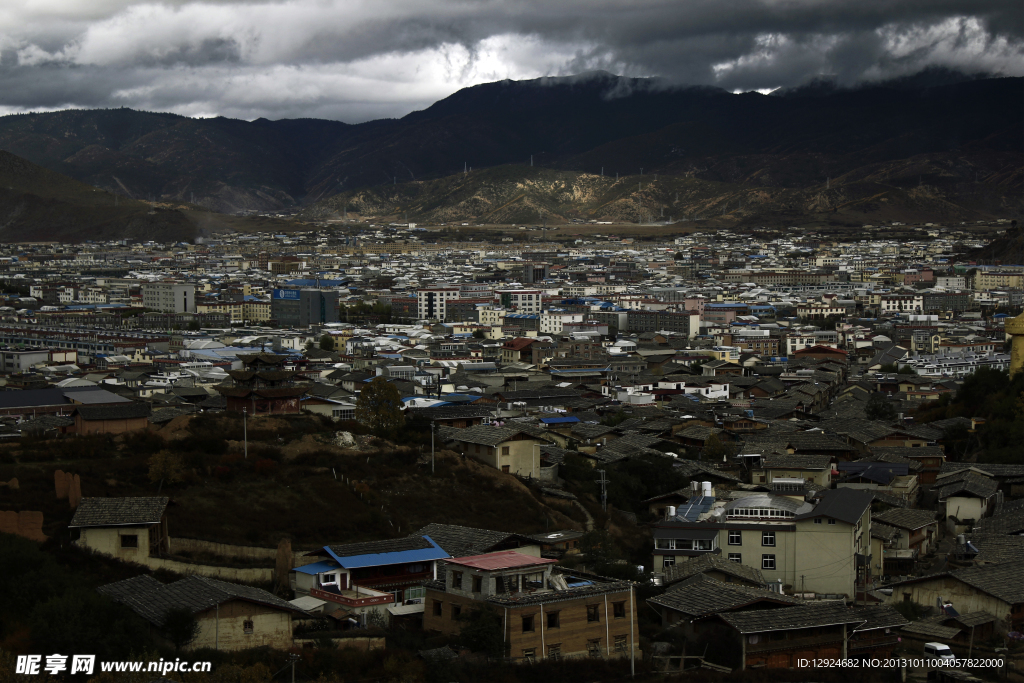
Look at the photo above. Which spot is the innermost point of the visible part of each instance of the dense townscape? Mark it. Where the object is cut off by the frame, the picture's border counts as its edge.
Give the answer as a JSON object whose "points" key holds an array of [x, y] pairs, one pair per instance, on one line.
{"points": [[692, 451]]}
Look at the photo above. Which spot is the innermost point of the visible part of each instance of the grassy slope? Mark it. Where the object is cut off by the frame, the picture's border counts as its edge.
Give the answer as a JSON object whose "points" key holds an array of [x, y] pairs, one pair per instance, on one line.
{"points": [[379, 492]]}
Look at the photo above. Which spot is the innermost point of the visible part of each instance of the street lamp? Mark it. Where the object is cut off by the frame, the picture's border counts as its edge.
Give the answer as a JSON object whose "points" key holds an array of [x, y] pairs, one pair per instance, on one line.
{"points": [[245, 432]]}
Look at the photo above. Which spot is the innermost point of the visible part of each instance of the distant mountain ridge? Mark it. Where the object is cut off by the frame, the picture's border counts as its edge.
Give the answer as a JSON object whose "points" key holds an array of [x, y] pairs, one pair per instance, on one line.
{"points": [[963, 137]]}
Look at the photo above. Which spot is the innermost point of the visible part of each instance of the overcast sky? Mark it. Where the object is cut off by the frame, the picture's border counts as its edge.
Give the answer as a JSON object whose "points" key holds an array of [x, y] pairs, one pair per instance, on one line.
{"points": [[355, 60]]}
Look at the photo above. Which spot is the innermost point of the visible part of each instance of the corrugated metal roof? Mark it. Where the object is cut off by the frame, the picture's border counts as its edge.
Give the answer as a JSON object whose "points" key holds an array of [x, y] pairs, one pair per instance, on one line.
{"points": [[434, 552], [316, 567]]}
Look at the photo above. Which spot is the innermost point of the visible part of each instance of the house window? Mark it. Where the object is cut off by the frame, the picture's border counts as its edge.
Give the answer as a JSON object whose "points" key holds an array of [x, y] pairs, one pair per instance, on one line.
{"points": [[478, 584], [553, 620], [456, 611], [554, 651], [768, 538], [438, 606], [619, 610], [669, 561], [767, 562], [504, 469], [665, 544], [247, 626], [528, 624], [130, 541], [456, 579], [620, 643], [831, 521], [736, 557], [329, 578], [593, 613], [530, 654], [817, 520], [594, 647], [735, 538], [505, 450]]}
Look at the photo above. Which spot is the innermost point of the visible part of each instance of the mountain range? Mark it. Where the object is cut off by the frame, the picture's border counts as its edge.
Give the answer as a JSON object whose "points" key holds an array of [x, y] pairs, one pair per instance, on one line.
{"points": [[951, 149]]}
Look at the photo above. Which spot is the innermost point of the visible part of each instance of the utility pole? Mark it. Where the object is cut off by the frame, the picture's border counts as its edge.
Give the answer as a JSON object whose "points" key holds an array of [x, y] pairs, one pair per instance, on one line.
{"points": [[433, 429], [604, 491], [531, 161], [245, 432], [602, 171]]}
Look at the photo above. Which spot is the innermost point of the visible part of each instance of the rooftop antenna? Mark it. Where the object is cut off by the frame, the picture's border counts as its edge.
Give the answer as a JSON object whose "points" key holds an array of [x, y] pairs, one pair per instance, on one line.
{"points": [[531, 160], [602, 171], [465, 167]]}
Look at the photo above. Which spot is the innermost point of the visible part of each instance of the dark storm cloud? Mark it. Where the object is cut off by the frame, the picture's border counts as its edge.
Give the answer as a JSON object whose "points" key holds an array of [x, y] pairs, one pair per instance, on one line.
{"points": [[357, 59]]}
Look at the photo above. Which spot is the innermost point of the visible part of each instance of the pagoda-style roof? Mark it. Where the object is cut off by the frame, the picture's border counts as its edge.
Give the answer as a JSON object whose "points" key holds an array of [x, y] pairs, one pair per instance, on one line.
{"points": [[266, 392], [257, 359]]}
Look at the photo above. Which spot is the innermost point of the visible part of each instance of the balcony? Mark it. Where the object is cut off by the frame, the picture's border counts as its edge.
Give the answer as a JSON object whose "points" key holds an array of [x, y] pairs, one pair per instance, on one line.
{"points": [[352, 598]]}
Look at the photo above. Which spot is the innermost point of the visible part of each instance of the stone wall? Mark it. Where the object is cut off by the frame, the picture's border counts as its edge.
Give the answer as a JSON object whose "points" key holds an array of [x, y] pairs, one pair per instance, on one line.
{"points": [[26, 523]]}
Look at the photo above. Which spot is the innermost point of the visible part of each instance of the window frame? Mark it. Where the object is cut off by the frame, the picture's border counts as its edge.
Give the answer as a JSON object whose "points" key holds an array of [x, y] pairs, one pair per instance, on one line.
{"points": [[457, 580], [593, 614], [766, 559], [619, 610], [529, 623], [736, 557], [767, 536], [553, 616], [133, 544], [248, 627], [738, 535], [438, 608]]}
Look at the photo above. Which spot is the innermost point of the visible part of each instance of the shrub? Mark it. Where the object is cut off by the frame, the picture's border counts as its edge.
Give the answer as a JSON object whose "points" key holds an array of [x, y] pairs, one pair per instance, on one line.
{"points": [[265, 467]]}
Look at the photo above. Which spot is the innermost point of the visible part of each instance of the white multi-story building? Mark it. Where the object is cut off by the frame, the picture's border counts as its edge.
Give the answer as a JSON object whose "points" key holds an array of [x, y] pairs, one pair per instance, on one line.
{"points": [[169, 297], [551, 322], [431, 303], [521, 300]]}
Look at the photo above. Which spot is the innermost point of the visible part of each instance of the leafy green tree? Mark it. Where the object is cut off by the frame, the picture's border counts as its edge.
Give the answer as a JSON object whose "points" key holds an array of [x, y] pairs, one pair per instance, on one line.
{"points": [[907, 370], [165, 466], [181, 627], [327, 343], [380, 408], [714, 449], [878, 408], [482, 632], [479, 334]]}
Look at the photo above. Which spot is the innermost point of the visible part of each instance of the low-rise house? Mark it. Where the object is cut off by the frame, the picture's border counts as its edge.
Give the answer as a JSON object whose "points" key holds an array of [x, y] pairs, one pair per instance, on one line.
{"points": [[699, 596], [993, 588], [462, 541], [361, 576], [508, 449], [792, 637], [111, 419], [967, 496], [816, 469], [920, 532], [546, 612], [130, 529], [230, 616]]}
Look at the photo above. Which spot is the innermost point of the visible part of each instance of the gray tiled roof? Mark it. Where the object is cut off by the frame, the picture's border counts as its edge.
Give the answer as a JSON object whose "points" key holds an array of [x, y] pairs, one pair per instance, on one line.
{"points": [[700, 595], [879, 616], [998, 470], [931, 629], [711, 563], [971, 484], [884, 532], [464, 541], [483, 434], [151, 599], [846, 505], [906, 518], [796, 461], [119, 511], [391, 545], [796, 617], [123, 411]]}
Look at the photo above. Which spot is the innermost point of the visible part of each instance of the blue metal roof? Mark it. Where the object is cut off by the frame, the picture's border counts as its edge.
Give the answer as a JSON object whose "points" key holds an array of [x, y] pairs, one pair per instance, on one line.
{"points": [[378, 559], [317, 567], [558, 420]]}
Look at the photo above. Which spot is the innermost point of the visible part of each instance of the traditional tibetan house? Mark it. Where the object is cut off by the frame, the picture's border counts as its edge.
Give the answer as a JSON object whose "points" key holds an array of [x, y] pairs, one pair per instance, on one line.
{"points": [[264, 386]]}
